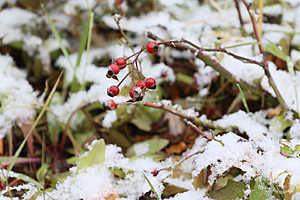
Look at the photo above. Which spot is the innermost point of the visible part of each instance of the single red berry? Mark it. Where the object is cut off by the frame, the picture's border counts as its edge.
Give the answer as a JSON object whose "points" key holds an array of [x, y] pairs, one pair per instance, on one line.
{"points": [[113, 69], [110, 105], [1, 186], [141, 84], [155, 172], [164, 74], [118, 3], [150, 83], [113, 91], [152, 47], [121, 62]]}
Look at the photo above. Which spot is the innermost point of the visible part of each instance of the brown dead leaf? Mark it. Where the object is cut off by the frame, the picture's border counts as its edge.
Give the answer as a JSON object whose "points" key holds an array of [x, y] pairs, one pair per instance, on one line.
{"points": [[177, 148], [273, 112], [112, 197]]}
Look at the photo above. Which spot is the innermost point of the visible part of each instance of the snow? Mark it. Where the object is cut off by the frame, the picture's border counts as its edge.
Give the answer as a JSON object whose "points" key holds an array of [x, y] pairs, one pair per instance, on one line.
{"points": [[18, 100], [254, 147]]}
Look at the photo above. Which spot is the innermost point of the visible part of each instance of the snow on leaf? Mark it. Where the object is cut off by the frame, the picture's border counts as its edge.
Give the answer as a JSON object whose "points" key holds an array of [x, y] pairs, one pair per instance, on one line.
{"points": [[152, 146], [96, 156]]}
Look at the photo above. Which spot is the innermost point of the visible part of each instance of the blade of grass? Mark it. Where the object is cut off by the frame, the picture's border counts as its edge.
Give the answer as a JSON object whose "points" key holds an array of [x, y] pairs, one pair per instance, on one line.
{"points": [[57, 36], [152, 188], [260, 17], [22, 177], [35, 123], [89, 39], [243, 98], [83, 41], [293, 75], [240, 45]]}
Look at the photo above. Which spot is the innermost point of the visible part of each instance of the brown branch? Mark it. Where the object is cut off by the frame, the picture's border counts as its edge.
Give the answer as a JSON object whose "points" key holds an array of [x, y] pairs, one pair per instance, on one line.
{"points": [[168, 109], [222, 50], [208, 61], [194, 120], [65, 133], [237, 6], [265, 62], [198, 130], [253, 21]]}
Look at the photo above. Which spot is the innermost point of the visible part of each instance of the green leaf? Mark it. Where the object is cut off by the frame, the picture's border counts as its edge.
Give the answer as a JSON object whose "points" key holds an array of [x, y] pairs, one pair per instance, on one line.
{"points": [[144, 117], [142, 121], [154, 145], [221, 182], [83, 40], [96, 156], [115, 137], [199, 181], [75, 85], [286, 151], [118, 172], [42, 171], [73, 160], [171, 190], [232, 191], [184, 78], [259, 191], [274, 50]]}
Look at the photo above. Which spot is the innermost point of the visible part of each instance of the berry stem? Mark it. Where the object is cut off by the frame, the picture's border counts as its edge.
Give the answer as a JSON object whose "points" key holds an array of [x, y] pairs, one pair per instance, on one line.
{"points": [[124, 78]]}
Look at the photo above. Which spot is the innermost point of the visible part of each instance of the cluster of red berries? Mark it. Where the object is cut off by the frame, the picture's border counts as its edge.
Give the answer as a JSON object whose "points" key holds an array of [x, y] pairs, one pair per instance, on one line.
{"points": [[114, 68], [138, 90]]}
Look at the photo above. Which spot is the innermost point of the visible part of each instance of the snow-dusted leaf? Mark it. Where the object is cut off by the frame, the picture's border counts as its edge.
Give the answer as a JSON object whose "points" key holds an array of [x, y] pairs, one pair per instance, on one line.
{"points": [[276, 51], [259, 191], [95, 156], [199, 181], [147, 147], [171, 190], [233, 190]]}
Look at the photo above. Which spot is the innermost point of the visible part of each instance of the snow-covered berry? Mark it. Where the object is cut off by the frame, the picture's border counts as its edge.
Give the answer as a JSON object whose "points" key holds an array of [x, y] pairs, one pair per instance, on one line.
{"points": [[136, 93], [110, 105]]}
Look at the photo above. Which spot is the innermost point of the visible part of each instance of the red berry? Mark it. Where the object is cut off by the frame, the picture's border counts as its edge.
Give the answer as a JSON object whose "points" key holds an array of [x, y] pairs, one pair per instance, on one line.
{"points": [[164, 74], [113, 69], [152, 47], [155, 172], [141, 84], [113, 91], [121, 62], [150, 83], [118, 3], [110, 105], [1, 186], [136, 93]]}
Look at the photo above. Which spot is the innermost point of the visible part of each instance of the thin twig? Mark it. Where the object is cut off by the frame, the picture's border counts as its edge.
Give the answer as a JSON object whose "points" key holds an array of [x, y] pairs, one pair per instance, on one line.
{"points": [[237, 6], [198, 130], [208, 61], [65, 133], [241, 58], [261, 50], [195, 120]]}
